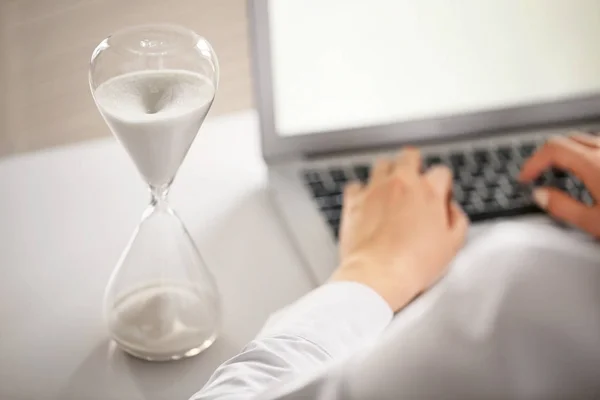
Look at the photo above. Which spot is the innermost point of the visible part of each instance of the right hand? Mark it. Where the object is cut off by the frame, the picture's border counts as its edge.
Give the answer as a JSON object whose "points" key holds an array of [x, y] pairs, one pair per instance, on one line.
{"points": [[400, 231], [580, 155]]}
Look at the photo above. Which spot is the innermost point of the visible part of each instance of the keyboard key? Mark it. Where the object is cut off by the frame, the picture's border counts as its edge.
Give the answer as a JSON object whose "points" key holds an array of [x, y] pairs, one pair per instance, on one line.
{"points": [[455, 170], [479, 182], [312, 176], [458, 193], [520, 199], [499, 167], [571, 187], [504, 153], [337, 200], [474, 197], [338, 175], [362, 172], [333, 214], [323, 202], [508, 190], [501, 198], [561, 182], [559, 173], [499, 192], [458, 160], [479, 206], [481, 156], [490, 176], [577, 182], [337, 188], [465, 179], [545, 179], [470, 210], [332, 201], [318, 189], [513, 172], [586, 198], [485, 193], [431, 160], [491, 206], [526, 150], [466, 198], [504, 180], [335, 228], [472, 167], [476, 169]]}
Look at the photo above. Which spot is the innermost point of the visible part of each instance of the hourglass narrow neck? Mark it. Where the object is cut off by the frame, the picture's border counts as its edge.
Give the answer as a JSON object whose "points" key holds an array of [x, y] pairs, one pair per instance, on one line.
{"points": [[159, 196], [158, 202]]}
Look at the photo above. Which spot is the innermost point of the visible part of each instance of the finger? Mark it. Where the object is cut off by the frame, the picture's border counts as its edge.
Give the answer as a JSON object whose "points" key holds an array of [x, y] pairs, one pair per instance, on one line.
{"points": [[352, 188], [459, 225], [563, 153], [440, 180], [565, 208], [351, 191], [586, 139], [408, 162], [381, 169]]}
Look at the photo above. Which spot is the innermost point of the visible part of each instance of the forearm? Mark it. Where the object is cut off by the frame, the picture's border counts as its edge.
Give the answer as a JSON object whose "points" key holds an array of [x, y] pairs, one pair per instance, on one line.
{"points": [[328, 324]]}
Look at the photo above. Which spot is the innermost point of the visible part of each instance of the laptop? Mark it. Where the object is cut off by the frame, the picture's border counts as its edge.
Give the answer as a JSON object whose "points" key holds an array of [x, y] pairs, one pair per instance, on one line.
{"points": [[477, 86]]}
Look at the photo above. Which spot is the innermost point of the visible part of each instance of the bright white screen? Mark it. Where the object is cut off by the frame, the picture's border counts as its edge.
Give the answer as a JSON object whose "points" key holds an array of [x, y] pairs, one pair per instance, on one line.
{"points": [[349, 63]]}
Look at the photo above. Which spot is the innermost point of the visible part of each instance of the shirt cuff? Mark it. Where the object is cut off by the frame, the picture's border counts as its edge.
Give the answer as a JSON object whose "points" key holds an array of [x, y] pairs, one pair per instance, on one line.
{"points": [[339, 317]]}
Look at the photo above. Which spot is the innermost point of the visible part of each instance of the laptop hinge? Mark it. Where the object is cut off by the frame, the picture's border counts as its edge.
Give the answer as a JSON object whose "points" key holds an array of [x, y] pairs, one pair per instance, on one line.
{"points": [[432, 141], [282, 159]]}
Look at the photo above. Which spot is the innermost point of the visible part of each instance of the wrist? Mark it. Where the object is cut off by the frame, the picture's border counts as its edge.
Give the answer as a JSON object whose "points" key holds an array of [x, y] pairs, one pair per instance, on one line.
{"points": [[397, 289]]}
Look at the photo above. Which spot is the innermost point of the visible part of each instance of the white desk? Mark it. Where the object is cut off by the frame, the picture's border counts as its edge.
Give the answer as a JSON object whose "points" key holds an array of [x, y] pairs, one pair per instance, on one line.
{"points": [[66, 215]]}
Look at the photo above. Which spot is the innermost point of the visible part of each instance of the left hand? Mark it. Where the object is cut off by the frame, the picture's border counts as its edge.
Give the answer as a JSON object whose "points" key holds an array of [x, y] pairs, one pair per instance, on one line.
{"points": [[580, 155]]}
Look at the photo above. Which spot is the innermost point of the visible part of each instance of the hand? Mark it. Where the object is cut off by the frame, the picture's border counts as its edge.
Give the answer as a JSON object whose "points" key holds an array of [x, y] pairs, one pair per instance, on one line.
{"points": [[580, 155], [401, 230]]}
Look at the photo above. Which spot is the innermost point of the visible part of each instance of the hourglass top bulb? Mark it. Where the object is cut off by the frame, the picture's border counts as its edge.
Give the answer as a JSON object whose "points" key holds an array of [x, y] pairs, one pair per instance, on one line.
{"points": [[154, 87], [156, 116]]}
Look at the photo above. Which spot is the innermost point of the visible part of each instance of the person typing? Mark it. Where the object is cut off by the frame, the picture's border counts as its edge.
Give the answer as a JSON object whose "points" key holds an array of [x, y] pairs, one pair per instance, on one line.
{"points": [[515, 314]]}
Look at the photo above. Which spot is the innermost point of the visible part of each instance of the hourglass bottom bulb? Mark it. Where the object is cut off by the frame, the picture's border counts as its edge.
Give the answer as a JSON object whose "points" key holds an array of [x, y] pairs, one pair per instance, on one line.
{"points": [[164, 321]]}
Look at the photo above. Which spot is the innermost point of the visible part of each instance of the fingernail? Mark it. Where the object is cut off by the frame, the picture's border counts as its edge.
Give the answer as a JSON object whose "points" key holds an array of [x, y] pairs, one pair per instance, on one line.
{"points": [[540, 196]]}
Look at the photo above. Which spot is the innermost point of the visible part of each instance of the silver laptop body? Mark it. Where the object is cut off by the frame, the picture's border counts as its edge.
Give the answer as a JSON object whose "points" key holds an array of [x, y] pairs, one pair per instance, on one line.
{"points": [[288, 157]]}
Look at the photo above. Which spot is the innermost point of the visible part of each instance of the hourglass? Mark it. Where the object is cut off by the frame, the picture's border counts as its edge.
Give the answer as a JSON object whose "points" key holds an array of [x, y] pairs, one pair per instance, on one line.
{"points": [[154, 86]]}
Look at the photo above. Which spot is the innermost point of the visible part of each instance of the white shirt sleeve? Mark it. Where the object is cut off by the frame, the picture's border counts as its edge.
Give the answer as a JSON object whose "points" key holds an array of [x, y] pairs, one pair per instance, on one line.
{"points": [[516, 317], [328, 324]]}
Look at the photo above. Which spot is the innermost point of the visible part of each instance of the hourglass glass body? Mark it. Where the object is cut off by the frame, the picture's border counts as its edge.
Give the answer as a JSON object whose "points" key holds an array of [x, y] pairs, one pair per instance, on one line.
{"points": [[154, 86]]}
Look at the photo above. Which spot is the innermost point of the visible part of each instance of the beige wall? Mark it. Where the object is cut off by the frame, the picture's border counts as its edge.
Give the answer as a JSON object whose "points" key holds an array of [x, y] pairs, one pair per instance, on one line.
{"points": [[5, 139], [45, 46]]}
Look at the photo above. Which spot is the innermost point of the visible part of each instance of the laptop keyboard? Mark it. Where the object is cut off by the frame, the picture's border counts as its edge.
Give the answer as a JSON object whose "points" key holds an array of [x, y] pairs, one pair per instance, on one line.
{"points": [[485, 183]]}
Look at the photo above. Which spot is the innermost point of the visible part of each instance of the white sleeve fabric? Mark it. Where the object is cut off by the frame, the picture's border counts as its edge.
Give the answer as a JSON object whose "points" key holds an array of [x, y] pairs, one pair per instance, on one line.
{"points": [[515, 318], [327, 325]]}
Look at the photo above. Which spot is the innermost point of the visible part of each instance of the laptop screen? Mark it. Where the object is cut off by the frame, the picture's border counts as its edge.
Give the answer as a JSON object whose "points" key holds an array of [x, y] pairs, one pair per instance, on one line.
{"points": [[340, 64]]}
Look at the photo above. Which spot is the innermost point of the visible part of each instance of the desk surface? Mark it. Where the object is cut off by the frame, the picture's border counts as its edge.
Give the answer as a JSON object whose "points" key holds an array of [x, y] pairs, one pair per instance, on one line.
{"points": [[66, 215]]}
